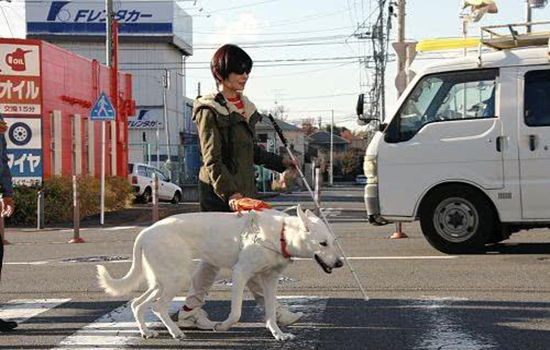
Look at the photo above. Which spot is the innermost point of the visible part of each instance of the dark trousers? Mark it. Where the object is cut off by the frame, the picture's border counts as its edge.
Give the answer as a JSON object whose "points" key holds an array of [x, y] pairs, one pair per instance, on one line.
{"points": [[209, 200], [1, 255]]}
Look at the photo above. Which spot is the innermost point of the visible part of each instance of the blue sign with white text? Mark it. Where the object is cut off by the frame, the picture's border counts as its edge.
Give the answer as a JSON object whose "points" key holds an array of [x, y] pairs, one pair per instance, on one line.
{"points": [[103, 109]]}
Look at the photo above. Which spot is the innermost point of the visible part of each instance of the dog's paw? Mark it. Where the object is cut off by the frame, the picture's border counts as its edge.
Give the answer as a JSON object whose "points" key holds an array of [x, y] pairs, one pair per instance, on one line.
{"points": [[221, 327], [179, 335], [284, 336], [149, 334]]}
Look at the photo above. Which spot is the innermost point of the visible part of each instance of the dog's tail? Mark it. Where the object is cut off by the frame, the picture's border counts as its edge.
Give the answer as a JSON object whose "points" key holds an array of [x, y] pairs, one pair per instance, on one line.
{"points": [[118, 287]]}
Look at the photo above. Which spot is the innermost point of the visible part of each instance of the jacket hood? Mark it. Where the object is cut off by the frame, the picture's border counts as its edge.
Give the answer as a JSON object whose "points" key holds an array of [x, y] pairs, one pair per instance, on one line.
{"points": [[209, 100]]}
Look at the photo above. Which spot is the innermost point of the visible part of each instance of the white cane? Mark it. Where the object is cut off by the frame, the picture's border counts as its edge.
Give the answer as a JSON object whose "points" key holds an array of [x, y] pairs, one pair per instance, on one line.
{"points": [[285, 142]]}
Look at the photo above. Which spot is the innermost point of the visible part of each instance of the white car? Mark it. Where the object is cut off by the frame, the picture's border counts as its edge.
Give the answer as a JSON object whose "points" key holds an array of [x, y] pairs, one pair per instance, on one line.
{"points": [[141, 177]]}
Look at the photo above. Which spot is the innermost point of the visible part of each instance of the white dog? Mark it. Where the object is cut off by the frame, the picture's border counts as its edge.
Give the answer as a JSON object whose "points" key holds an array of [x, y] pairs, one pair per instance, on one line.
{"points": [[255, 245]]}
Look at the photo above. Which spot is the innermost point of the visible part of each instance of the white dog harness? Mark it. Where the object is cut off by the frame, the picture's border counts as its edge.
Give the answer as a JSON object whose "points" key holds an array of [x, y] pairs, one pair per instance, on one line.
{"points": [[251, 233]]}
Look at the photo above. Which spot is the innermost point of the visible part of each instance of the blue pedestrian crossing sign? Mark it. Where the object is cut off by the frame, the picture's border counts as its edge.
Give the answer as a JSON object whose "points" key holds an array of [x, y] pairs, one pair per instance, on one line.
{"points": [[103, 109]]}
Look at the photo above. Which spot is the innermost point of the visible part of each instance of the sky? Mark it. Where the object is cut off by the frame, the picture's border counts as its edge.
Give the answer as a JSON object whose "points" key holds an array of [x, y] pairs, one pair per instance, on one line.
{"points": [[305, 53]]}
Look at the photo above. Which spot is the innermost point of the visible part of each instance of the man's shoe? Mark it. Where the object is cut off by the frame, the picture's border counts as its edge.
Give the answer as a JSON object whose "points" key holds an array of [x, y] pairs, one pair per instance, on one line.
{"points": [[286, 317], [196, 318], [6, 326]]}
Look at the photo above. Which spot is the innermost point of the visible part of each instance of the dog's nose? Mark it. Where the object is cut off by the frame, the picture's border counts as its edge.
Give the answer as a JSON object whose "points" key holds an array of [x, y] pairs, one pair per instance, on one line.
{"points": [[339, 263]]}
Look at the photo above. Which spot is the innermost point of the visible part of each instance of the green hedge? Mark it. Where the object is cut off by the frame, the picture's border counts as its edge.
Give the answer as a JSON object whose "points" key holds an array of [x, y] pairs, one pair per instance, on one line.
{"points": [[58, 199]]}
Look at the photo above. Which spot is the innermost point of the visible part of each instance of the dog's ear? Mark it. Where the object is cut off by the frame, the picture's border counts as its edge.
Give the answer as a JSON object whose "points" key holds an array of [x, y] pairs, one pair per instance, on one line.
{"points": [[302, 215], [310, 214]]}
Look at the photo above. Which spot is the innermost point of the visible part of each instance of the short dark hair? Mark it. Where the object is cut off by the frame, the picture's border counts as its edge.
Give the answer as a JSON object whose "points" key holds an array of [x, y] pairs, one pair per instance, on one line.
{"points": [[229, 59]]}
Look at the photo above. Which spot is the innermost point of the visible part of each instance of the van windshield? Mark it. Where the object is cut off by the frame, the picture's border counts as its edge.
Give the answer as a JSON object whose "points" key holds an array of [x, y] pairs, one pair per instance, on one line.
{"points": [[446, 97]]}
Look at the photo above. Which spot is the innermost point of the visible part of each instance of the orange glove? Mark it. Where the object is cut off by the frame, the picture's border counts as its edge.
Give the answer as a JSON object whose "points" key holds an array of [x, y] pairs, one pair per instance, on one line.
{"points": [[247, 204]]}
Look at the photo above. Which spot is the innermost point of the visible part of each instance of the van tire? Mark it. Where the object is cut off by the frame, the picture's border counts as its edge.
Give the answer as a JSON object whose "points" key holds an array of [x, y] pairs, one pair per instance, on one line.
{"points": [[457, 219]]}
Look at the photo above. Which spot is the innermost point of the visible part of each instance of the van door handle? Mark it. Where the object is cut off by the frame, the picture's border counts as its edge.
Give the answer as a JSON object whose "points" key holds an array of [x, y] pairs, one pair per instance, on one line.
{"points": [[499, 143], [532, 142]]}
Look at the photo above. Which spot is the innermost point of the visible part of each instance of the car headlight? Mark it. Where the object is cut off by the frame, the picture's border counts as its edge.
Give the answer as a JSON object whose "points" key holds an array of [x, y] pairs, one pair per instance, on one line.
{"points": [[370, 167]]}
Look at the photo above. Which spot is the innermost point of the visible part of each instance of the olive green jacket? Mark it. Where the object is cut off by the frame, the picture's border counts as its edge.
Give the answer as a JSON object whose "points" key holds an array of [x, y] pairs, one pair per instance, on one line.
{"points": [[227, 146]]}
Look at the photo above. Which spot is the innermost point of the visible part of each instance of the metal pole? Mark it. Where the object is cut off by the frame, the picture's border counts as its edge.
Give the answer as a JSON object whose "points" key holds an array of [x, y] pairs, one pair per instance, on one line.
{"points": [[40, 210], [317, 182], [331, 173], [529, 16], [103, 160], [166, 126], [76, 214], [155, 198], [157, 144]]}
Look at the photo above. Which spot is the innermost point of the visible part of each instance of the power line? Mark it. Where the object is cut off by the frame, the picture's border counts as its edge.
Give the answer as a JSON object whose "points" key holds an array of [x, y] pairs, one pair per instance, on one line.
{"points": [[311, 59], [312, 97]]}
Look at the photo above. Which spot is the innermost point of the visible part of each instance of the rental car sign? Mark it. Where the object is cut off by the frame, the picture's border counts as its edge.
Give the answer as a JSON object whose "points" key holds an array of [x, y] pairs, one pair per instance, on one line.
{"points": [[87, 17]]}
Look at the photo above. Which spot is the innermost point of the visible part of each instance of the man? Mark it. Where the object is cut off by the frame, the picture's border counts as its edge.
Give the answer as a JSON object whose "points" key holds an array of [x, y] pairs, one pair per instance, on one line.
{"points": [[6, 188]]}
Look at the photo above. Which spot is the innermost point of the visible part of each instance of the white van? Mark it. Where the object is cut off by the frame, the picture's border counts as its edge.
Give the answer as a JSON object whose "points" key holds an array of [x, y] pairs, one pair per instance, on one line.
{"points": [[467, 152]]}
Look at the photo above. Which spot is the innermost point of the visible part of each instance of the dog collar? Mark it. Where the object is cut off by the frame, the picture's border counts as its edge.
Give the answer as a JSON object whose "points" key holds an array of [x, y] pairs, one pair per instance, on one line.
{"points": [[284, 252]]}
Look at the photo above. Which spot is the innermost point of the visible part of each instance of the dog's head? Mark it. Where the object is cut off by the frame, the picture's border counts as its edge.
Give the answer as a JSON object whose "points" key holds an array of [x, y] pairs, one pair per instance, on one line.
{"points": [[317, 241]]}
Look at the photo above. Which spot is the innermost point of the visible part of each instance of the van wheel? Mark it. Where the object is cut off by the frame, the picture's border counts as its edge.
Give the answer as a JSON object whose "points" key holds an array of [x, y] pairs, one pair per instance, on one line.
{"points": [[147, 195], [457, 219], [176, 199]]}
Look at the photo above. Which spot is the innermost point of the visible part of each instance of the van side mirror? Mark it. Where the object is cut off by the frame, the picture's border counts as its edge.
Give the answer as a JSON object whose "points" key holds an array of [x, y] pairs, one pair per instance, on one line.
{"points": [[359, 109]]}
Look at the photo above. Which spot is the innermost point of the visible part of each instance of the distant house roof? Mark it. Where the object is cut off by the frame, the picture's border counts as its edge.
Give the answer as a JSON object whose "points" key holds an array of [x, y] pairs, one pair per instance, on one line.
{"points": [[265, 123], [323, 137]]}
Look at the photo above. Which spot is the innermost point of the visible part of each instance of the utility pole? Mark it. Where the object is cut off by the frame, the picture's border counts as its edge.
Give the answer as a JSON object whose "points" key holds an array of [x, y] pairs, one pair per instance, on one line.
{"points": [[402, 79], [528, 15], [401, 49], [166, 126], [109, 61], [331, 173]]}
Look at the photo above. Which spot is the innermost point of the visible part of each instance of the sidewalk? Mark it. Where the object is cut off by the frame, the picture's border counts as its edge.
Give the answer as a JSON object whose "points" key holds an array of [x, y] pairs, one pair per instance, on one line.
{"points": [[138, 215]]}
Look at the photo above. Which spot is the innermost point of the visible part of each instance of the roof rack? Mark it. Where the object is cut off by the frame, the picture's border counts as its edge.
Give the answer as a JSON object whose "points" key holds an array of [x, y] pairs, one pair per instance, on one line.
{"points": [[512, 38]]}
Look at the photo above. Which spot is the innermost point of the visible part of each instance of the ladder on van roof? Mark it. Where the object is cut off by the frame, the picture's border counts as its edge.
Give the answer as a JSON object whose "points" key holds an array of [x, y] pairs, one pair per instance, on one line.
{"points": [[509, 37], [493, 37]]}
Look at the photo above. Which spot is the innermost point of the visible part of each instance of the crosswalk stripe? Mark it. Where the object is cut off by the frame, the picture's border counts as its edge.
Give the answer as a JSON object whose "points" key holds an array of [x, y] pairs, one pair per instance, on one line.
{"points": [[21, 310], [118, 330], [113, 331]]}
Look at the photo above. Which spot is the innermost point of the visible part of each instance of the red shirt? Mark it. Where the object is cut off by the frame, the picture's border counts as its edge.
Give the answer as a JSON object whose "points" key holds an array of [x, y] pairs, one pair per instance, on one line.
{"points": [[238, 103]]}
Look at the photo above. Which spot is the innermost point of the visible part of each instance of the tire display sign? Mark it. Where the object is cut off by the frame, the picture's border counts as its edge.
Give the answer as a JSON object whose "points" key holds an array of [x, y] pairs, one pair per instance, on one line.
{"points": [[20, 83], [24, 148]]}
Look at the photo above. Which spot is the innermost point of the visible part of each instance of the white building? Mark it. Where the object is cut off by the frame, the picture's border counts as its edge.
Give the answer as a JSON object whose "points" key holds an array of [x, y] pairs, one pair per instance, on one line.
{"points": [[154, 38]]}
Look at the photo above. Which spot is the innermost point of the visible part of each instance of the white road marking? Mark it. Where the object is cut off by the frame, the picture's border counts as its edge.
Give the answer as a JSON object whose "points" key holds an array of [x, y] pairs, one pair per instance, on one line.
{"points": [[436, 257], [445, 330], [112, 331], [21, 310], [59, 263], [116, 228]]}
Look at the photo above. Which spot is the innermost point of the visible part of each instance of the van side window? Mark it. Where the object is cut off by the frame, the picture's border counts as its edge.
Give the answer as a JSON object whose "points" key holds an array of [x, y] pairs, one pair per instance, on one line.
{"points": [[537, 98], [446, 97]]}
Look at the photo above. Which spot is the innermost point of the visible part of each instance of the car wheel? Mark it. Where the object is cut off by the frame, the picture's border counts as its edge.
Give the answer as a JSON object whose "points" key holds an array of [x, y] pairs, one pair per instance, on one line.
{"points": [[147, 195], [176, 199], [457, 219]]}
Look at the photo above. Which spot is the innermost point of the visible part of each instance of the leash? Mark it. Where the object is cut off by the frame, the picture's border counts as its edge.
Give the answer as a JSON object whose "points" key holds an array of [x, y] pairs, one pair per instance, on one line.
{"points": [[317, 205]]}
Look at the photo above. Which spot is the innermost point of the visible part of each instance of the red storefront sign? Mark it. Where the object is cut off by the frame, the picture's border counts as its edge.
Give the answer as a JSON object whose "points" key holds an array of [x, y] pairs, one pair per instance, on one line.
{"points": [[20, 83]]}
